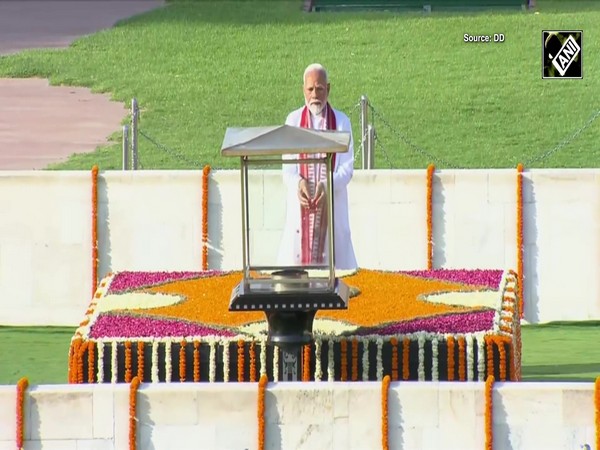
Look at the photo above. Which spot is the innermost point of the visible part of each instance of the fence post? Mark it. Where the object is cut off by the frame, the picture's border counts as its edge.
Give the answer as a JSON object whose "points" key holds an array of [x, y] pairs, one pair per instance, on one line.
{"points": [[370, 147], [125, 147], [134, 134], [364, 120]]}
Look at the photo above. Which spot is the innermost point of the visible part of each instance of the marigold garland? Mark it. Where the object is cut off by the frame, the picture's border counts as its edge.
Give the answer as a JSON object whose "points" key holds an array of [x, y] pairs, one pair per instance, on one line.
{"points": [[344, 360], [450, 346], [128, 362], [430, 171], [262, 386], [82, 350], [22, 386], [91, 355], [182, 365], [75, 361], [133, 388], [354, 359], [461, 359], [516, 366], [520, 247], [306, 363], [489, 413], [140, 361], [205, 173], [394, 343], [94, 229], [385, 386], [405, 360], [252, 362], [71, 370], [490, 355], [196, 361], [597, 404], [502, 353], [240, 360]]}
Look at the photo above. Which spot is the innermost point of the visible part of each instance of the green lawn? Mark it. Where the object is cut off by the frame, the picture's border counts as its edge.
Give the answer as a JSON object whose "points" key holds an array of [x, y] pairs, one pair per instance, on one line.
{"points": [[551, 352], [197, 68]]}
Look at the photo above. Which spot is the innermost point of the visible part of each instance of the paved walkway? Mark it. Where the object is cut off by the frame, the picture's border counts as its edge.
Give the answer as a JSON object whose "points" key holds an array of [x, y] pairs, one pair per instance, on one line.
{"points": [[40, 124]]}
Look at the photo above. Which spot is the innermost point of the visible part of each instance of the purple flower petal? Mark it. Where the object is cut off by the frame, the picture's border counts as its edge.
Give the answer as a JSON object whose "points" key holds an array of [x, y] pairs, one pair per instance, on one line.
{"points": [[125, 326], [454, 323], [126, 281], [478, 277]]}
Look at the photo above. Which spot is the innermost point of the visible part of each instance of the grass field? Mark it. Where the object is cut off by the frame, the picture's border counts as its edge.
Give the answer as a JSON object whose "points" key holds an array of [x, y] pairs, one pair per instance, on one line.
{"points": [[199, 67], [551, 352]]}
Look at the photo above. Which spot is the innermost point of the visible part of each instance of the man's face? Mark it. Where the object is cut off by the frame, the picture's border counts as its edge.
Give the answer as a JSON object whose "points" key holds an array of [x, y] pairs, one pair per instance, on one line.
{"points": [[316, 91]]}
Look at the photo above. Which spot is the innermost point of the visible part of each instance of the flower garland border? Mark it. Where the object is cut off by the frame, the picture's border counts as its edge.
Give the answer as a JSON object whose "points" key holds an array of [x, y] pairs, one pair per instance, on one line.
{"points": [[385, 388], [133, 388], [505, 332], [597, 410], [205, 173], [489, 413], [22, 386], [262, 387], [430, 171], [520, 247], [94, 229]]}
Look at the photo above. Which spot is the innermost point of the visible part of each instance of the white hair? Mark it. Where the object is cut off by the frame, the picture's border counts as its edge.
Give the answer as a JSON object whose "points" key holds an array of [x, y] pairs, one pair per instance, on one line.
{"points": [[315, 68]]}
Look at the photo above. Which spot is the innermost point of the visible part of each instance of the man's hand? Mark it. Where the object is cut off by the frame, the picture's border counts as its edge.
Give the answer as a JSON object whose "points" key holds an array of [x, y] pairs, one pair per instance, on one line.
{"points": [[319, 194], [303, 194]]}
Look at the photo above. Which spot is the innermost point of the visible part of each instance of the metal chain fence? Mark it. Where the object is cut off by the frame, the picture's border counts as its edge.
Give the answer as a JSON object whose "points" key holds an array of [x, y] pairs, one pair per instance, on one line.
{"points": [[562, 144], [365, 142], [430, 156]]}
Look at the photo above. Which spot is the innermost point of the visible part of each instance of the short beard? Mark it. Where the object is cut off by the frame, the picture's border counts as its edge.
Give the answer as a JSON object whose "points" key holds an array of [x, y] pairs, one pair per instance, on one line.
{"points": [[316, 108]]}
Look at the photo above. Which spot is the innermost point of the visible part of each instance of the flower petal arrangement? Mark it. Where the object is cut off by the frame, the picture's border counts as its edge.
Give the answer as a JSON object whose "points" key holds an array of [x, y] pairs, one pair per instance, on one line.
{"points": [[399, 324]]}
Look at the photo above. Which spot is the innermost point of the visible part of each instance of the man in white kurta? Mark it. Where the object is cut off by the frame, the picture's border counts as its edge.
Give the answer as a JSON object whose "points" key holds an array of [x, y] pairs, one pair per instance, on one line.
{"points": [[306, 189]]}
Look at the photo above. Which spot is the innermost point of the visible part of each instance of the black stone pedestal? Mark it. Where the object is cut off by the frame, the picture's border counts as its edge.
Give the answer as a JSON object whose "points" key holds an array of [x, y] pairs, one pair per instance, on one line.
{"points": [[290, 331]]}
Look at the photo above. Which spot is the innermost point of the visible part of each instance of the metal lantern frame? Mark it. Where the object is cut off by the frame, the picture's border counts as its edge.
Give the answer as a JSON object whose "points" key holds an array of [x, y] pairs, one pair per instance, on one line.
{"points": [[289, 298], [267, 146]]}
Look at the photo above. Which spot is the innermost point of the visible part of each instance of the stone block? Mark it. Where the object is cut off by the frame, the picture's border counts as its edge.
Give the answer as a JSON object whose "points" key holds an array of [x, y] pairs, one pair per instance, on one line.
{"points": [[184, 437], [528, 405], [47, 422], [408, 186], [307, 436], [240, 435], [121, 415], [443, 186], [305, 404], [227, 403], [578, 405], [369, 186], [102, 411], [412, 397], [365, 401], [95, 444], [471, 187], [169, 404], [50, 444], [502, 187], [341, 401], [341, 437], [562, 185], [8, 398]]}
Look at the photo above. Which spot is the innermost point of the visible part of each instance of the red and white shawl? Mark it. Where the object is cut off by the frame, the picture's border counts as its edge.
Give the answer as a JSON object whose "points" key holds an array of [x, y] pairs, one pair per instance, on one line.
{"points": [[313, 224]]}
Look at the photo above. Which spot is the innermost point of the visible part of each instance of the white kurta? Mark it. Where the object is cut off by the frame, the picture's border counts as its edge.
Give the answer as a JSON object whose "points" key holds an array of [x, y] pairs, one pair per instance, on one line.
{"points": [[289, 250]]}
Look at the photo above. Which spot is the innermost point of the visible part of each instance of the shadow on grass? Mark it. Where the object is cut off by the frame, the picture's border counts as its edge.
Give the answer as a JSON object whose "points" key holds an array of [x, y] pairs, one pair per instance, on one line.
{"points": [[563, 324], [274, 12], [560, 369], [250, 12]]}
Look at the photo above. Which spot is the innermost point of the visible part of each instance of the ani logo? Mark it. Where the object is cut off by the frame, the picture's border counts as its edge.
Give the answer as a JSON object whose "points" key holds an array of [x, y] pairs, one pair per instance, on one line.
{"points": [[562, 54]]}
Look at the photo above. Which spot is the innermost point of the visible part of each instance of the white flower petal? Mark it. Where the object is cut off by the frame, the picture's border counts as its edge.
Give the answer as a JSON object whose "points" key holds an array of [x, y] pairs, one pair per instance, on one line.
{"points": [[136, 300]]}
